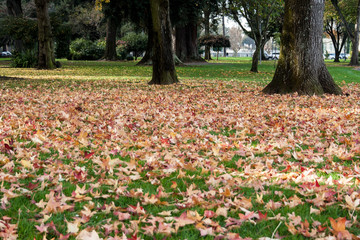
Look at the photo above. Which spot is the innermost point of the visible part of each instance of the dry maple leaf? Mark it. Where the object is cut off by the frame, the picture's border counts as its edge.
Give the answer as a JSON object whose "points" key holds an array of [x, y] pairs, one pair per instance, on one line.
{"points": [[339, 230], [86, 235]]}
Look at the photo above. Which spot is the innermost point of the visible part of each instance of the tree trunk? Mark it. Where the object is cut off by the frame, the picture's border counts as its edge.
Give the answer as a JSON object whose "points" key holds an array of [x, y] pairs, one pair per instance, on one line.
{"points": [[46, 47], [192, 42], [111, 29], [14, 9], [355, 41], [224, 34], [186, 46], [180, 43], [255, 60], [163, 62], [301, 67], [207, 33], [259, 44]]}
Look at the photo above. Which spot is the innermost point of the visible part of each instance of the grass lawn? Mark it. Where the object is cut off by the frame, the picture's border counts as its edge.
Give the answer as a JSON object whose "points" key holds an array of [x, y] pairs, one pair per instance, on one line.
{"points": [[90, 151]]}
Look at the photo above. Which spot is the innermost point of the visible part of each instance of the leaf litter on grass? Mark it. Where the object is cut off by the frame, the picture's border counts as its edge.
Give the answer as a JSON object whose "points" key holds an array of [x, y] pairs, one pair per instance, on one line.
{"points": [[201, 159]]}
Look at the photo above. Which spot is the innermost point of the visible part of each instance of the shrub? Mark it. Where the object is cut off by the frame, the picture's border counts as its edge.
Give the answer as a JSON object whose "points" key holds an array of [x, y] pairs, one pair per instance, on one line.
{"points": [[121, 50], [129, 58], [82, 49], [25, 59], [136, 43]]}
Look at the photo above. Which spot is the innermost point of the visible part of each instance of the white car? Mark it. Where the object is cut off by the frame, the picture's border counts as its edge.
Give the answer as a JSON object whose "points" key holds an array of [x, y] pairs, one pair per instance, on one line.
{"points": [[6, 54]]}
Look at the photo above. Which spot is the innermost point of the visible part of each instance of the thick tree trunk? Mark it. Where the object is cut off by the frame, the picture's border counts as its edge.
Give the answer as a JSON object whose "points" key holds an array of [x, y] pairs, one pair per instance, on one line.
{"points": [[14, 9], [163, 62], [301, 67], [46, 58], [180, 43], [192, 42], [207, 33], [111, 29], [186, 46]]}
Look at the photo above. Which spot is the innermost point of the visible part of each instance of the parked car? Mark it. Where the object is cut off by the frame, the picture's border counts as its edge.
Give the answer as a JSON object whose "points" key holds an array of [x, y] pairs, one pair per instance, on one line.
{"points": [[6, 54], [331, 56], [275, 55], [267, 56], [342, 56]]}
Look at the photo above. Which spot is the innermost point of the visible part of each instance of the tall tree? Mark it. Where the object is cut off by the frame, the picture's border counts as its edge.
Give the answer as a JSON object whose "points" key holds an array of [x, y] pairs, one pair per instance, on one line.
{"points": [[163, 61], [185, 15], [112, 14], [46, 59], [263, 19], [235, 37], [301, 67], [14, 9], [211, 9], [335, 29], [353, 32], [337, 34]]}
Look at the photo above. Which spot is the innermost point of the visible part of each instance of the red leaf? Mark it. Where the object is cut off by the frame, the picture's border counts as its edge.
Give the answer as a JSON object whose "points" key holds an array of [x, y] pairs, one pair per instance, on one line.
{"points": [[286, 169], [209, 214], [317, 184], [88, 155], [32, 186], [262, 216]]}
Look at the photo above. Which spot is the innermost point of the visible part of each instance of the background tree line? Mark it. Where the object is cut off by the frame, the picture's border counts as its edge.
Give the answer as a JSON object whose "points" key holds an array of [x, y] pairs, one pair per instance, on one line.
{"points": [[114, 28]]}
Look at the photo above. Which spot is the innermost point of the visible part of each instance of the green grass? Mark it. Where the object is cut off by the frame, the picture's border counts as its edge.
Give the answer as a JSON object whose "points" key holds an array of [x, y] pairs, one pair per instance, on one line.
{"points": [[224, 69]]}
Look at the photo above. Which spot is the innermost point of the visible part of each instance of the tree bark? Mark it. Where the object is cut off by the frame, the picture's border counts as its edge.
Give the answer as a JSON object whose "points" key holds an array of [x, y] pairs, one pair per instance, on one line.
{"points": [[46, 58], [111, 29], [186, 46], [14, 9], [355, 48], [301, 67], [163, 62], [207, 32], [255, 60], [180, 43]]}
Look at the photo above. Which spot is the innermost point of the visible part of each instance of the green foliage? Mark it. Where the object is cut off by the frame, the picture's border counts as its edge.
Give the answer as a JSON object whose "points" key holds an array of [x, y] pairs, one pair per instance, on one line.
{"points": [[82, 49], [20, 28], [61, 35], [121, 51], [327, 54], [136, 43], [86, 22], [26, 59]]}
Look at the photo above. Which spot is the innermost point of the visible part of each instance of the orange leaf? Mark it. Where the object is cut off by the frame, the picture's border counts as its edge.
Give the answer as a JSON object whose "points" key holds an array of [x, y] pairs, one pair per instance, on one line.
{"points": [[338, 224]]}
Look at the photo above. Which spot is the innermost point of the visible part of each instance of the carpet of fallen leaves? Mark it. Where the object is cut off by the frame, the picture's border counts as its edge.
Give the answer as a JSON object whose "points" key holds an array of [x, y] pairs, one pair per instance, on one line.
{"points": [[122, 160]]}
